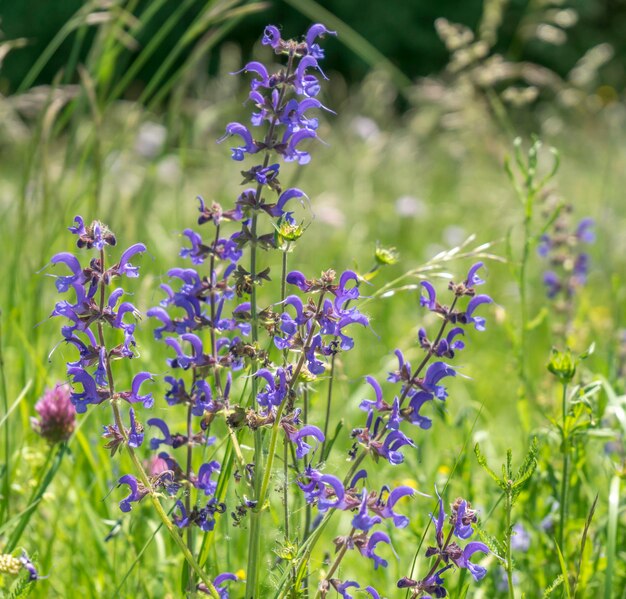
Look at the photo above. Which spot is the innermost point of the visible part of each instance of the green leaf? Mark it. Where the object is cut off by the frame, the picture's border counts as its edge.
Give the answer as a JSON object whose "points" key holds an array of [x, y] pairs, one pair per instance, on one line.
{"points": [[496, 546], [568, 593], [482, 460]]}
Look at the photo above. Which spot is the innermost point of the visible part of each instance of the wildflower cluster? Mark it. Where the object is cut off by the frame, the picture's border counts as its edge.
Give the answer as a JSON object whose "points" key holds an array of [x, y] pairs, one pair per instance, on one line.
{"points": [[382, 435], [569, 264], [448, 553], [221, 378]]}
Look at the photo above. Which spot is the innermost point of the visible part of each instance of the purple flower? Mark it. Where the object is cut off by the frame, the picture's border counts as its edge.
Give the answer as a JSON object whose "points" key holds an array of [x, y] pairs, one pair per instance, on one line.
{"points": [[520, 540], [315, 31], [181, 521], [379, 404], [204, 481], [479, 323], [64, 283], [584, 230], [249, 145], [342, 587], [436, 372], [155, 443], [273, 395], [302, 448], [398, 493], [473, 279], [271, 37], [57, 416], [463, 561], [124, 267], [133, 395], [90, 393], [137, 492], [28, 565], [135, 437], [368, 550], [462, 526], [219, 581], [361, 520]]}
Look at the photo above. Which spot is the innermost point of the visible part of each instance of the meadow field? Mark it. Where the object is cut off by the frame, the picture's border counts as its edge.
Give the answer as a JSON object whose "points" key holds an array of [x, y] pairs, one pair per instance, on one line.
{"points": [[409, 181]]}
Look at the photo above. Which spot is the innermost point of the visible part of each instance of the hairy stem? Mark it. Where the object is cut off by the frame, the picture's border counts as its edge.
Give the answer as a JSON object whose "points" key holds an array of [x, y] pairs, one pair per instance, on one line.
{"points": [[509, 560]]}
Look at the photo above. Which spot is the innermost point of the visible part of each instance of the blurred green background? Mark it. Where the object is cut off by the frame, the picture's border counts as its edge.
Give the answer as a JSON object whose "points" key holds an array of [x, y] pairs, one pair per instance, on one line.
{"points": [[402, 30]]}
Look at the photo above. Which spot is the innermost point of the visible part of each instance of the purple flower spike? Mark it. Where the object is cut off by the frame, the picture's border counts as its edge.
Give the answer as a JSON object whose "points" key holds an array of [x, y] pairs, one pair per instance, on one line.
{"points": [[136, 493]]}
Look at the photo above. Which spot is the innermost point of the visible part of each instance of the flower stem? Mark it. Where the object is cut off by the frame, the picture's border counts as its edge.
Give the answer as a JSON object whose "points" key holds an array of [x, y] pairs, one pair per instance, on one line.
{"points": [[335, 564], [509, 560], [565, 472]]}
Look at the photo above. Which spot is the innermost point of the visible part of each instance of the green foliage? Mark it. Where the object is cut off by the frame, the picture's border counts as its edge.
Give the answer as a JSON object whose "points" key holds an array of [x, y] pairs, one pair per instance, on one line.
{"points": [[512, 483]]}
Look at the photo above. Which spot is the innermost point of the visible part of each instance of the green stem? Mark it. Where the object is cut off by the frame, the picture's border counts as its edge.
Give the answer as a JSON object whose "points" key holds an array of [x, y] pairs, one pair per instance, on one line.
{"points": [[565, 473], [509, 560], [254, 541], [335, 564], [6, 478], [328, 404]]}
